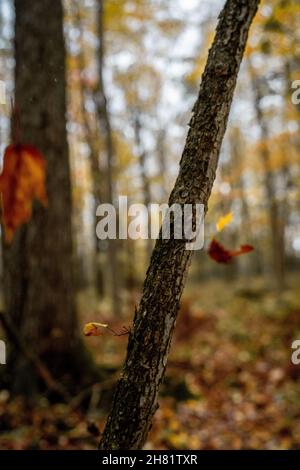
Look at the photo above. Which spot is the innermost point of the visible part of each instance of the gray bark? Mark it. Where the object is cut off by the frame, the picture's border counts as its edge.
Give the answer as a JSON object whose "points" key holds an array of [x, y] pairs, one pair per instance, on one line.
{"points": [[135, 400]]}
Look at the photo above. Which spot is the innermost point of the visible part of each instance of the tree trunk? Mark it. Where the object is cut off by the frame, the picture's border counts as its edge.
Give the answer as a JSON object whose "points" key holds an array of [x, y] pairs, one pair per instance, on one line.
{"points": [[237, 150], [106, 131], [276, 222], [162, 163], [38, 263], [135, 400], [91, 140], [142, 155]]}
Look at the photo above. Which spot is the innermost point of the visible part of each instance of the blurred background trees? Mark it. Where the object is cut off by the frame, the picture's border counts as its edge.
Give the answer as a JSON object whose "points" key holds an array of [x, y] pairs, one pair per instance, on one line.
{"points": [[38, 265], [120, 96], [148, 113]]}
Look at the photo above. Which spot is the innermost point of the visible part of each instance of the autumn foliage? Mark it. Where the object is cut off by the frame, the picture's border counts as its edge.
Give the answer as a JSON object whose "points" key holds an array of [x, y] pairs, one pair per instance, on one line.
{"points": [[221, 255], [217, 251], [22, 180], [94, 329]]}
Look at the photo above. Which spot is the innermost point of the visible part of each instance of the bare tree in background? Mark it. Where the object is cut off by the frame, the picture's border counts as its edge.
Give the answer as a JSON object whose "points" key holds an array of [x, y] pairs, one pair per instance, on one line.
{"points": [[142, 157], [92, 140], [273, 206], [161, 151], [107, 133]]}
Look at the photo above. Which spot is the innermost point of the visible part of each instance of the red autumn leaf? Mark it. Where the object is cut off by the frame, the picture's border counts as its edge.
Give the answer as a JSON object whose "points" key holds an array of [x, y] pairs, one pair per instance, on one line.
{"points": [[22, 180], [221, 255]]}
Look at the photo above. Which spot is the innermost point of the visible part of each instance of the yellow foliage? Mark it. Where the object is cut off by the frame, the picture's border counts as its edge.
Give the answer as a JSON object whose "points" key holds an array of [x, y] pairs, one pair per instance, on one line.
{"points": [[224, 220]]}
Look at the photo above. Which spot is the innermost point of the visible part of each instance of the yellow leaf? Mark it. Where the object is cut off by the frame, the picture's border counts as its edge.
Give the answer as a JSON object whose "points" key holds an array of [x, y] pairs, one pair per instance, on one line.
{"points": [[93, 329], [223, 221]]}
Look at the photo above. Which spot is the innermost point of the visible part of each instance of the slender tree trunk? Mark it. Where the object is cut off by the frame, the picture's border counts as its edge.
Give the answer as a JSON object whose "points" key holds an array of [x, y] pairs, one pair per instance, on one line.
{"points": [[276, 224], [162, 163], [237, 150], [135, 400], [91, 139], [143, 172], [106, 131], [38, 263]]}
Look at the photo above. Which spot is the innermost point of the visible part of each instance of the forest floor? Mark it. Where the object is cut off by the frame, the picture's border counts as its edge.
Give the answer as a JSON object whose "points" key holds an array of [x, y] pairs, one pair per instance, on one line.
{"points": [[229, 384]]}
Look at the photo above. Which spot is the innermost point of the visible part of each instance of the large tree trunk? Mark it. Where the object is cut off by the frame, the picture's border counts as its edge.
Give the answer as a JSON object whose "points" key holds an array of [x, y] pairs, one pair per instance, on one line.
{"points": [[38, 263], [135, 399]]}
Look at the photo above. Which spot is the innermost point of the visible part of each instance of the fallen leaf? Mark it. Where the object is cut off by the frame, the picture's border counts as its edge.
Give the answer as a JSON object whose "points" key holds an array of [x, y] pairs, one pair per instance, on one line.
{"points": [[21, 181], [221, 255], [94, 329]]}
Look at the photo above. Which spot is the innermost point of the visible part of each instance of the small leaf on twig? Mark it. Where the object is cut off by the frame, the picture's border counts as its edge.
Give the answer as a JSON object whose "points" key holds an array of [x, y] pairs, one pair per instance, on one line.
{"points": [[94, 329]]}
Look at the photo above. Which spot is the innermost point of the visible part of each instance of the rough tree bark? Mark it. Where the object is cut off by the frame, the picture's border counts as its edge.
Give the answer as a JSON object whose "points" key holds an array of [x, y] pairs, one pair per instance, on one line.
{"points": [[135, 400], [38, 263]]}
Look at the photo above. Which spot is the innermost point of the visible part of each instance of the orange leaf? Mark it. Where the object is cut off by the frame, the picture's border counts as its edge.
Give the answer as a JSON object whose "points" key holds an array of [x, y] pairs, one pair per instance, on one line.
{"points": [[242, 250], [22, 180], [221, 255], [93, 329]]}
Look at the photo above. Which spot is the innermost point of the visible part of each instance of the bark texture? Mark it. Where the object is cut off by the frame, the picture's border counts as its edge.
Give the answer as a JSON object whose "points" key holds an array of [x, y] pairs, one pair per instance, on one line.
{"points": [[135, 400], [39, 264]]}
